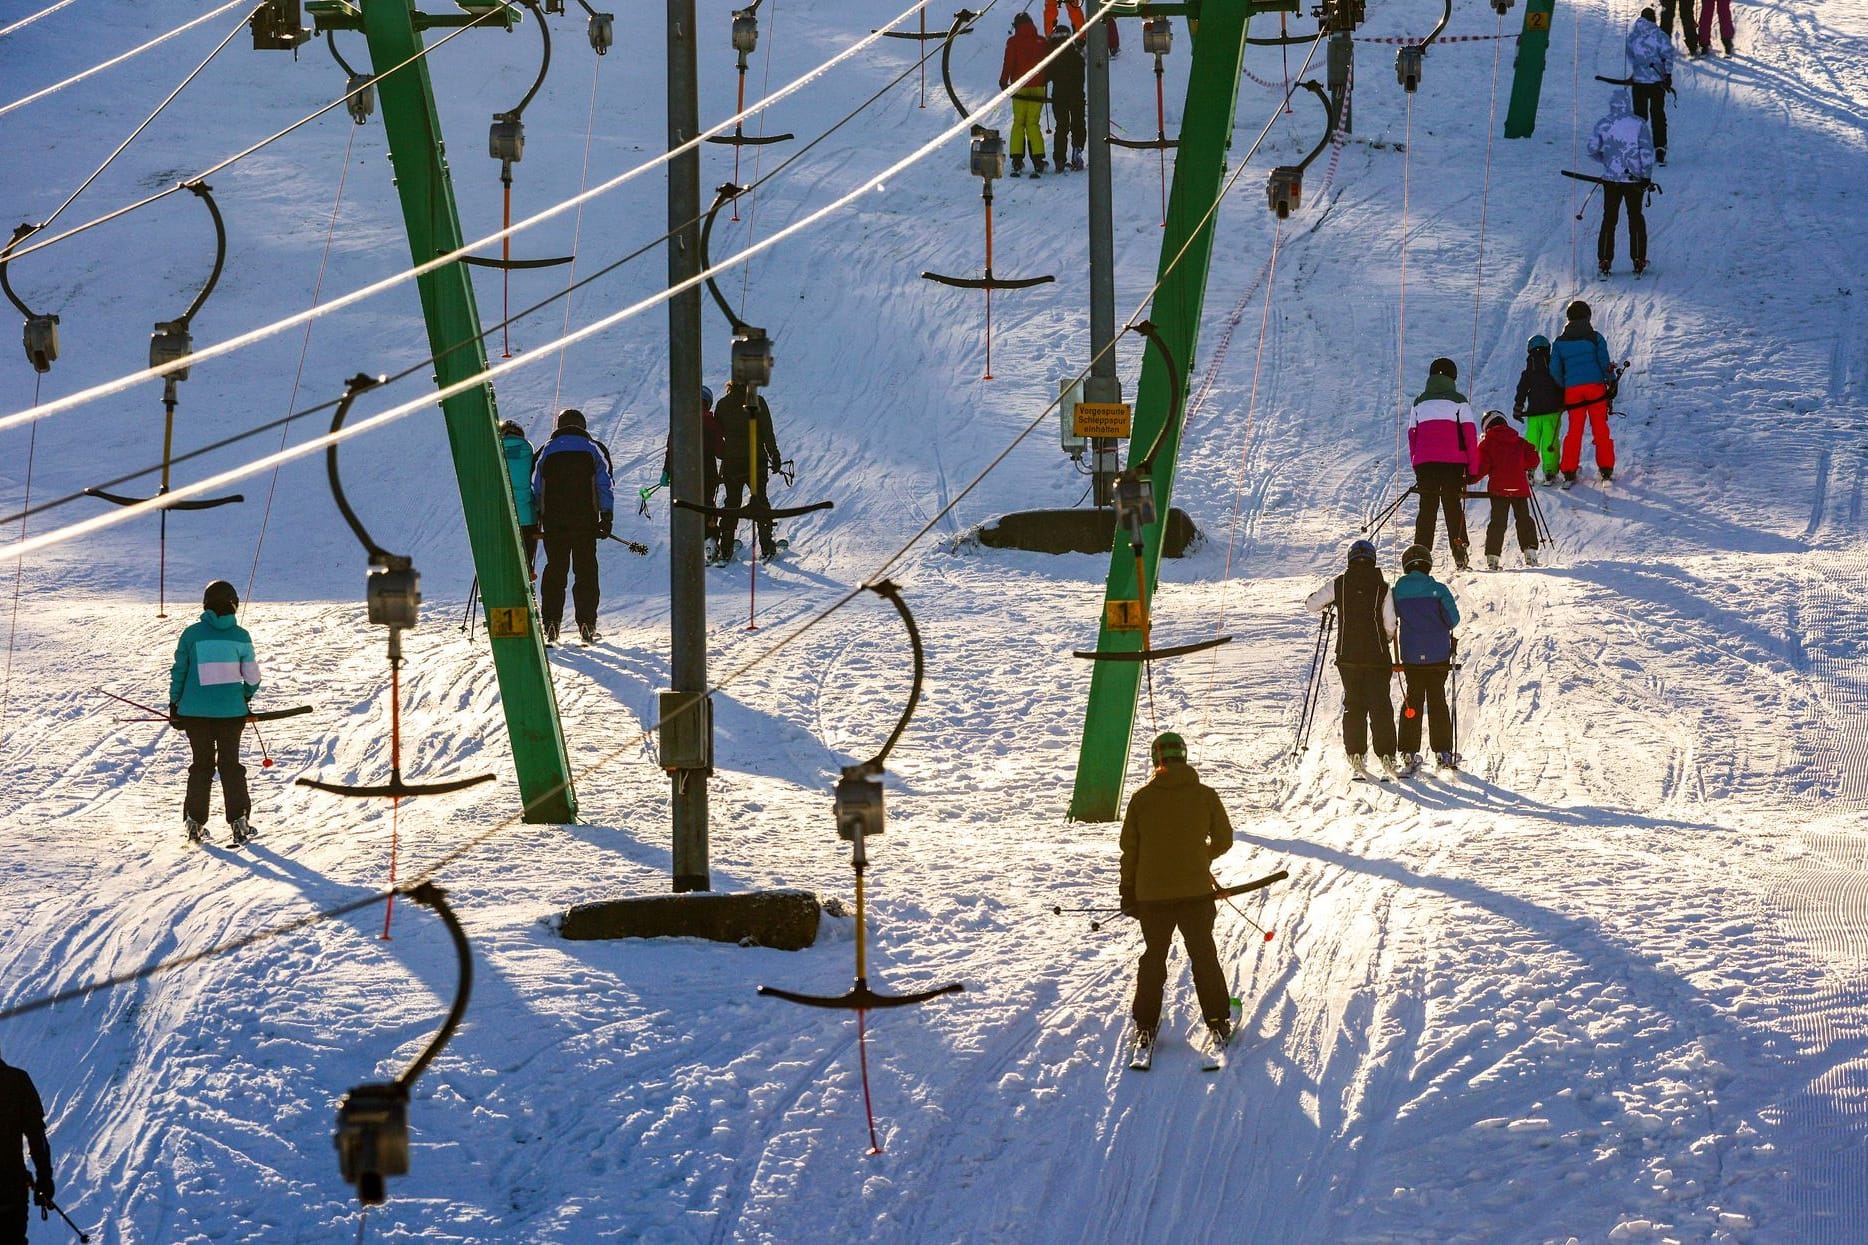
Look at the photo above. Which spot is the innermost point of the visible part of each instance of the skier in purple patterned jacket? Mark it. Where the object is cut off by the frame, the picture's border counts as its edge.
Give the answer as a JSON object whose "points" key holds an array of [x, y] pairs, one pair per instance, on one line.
{"points": [[1624, 146], [1443, 445], [1650, 67]]}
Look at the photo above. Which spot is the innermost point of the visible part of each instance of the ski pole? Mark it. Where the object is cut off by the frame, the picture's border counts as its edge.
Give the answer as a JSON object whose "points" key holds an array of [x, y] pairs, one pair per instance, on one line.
{"points": [[44, 1202], [1312, 691], [473, 594], [265, 757], [1095, 914], [1375, 525], [1221, 891], [1586, 198]]}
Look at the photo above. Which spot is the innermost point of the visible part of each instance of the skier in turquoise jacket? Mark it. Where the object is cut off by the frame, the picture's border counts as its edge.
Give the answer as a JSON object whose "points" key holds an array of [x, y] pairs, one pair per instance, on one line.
{"points": [[1420, 612], [519, 456], [214, 675]]}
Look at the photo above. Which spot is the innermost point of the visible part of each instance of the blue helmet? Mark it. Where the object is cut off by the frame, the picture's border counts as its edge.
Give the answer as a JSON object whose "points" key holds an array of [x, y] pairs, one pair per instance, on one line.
{"points": [[1364, 549], [706, 396], [1539, 342]]}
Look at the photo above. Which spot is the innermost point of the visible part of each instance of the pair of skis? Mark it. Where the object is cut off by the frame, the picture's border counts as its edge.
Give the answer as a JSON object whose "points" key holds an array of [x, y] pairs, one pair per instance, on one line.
{"points": [[1211, 1046]]}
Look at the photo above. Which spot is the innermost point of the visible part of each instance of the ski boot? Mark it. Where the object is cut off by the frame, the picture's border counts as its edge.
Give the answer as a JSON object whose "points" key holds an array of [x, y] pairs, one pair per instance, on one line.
{"points": [[587, 632], [1390, 770], [1018, 166], [1141, 1049], [1550, 477], [1037, 167], [551, 632], [242, 831], [1360, 766], [197, 833], [1491, 562], [1569, 480], [1640, 266], [1660, 157], [1729, 49], [1410, 764], [1460, 558], [1530, 557], [1608, 473], [1446, 760], [1602, 267], [1076, 160], [1220, 1029]]}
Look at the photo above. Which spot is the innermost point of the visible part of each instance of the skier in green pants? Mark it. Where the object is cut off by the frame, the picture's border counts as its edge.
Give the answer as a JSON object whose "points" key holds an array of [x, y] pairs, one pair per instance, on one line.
{"points": [[1539, 405]]}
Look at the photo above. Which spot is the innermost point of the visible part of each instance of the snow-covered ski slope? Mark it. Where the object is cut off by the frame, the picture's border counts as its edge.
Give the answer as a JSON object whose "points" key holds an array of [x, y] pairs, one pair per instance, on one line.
{"points": [[1606, 985]]}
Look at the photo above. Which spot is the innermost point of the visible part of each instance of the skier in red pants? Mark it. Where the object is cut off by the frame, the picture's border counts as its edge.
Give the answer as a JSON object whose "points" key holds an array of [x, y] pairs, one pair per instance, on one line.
{"points": [[1579, 361]]}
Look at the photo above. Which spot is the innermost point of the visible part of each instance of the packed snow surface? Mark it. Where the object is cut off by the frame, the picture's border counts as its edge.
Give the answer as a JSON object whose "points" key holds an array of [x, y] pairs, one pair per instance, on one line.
{"points": [[1604, 984]]}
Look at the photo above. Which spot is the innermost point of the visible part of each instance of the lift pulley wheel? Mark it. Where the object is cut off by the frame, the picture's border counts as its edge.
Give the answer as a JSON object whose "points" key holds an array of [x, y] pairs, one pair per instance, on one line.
{"points": [[41, 336], [859, 802], [372, 1139], [1408, 63], [1284, 190], [752, 357], [505, 140], [602, 32], [1157, 36], [986, 154], [745, 31], [360, 96]]}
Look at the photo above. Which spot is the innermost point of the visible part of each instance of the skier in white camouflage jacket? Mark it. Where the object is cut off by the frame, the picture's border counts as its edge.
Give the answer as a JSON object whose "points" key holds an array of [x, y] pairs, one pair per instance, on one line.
{"points": [[1624, 146], [1650, 66]]}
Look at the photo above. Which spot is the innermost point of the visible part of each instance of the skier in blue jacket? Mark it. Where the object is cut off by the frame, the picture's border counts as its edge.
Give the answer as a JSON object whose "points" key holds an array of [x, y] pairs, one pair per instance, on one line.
{"points": [[214, 675], [1581, 363], [1421, 613], [519, 456], [571, 487]]}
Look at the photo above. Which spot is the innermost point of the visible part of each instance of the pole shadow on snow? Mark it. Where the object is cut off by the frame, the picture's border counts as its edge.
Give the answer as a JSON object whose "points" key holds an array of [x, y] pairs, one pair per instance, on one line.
{"points": [[1497, 799]]}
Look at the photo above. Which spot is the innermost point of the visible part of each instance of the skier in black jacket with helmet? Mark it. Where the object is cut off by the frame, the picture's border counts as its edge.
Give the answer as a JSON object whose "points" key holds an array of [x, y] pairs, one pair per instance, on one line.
{"points": [[1364, 657], [22, 1118], [575, 506]]}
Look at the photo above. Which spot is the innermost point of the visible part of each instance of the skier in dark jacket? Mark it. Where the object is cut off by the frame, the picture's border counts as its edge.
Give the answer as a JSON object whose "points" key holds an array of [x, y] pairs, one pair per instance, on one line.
{"points": [[1580, 362], [749, 454], [1689, 21], [1539, 405], [22, 1118], [214, 674], [518, 453], [1174, 828], [1424, 614], [571, 486], [1066, 78], [1364, 656], [1505, 461]]}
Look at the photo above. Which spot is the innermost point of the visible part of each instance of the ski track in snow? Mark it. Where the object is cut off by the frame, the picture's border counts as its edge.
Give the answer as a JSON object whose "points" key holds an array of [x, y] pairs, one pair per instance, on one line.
{"points": [[1604, 985]]}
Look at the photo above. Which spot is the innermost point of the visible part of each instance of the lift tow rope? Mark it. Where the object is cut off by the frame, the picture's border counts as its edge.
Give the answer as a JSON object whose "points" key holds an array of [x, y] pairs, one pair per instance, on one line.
{"points": [[1485, 197], [577, 231], [19, 567]]}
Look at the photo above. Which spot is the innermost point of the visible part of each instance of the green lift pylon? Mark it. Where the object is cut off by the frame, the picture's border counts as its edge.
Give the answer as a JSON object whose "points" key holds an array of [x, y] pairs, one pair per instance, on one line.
{"points": [[393, 28], [1527, 77], [1186, 254]]}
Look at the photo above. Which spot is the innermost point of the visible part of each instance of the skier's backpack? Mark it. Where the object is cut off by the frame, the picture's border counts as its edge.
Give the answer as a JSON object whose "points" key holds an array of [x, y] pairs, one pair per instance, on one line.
{"points": [[1426, 635]]}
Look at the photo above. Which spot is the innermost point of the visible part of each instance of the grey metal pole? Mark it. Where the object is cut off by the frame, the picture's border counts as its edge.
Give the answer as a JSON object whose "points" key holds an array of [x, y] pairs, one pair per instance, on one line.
{"points": [[687, 586], [1102, 384]]}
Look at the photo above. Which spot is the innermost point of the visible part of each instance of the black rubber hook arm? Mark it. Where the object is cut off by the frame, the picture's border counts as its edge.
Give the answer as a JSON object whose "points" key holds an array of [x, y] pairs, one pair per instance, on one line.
{"points": [[962, 22], [1175, 392], [20, 234], [1329, 122], [204, 192], [891, 592], [724, 194], [431, 896], [379, 556]]}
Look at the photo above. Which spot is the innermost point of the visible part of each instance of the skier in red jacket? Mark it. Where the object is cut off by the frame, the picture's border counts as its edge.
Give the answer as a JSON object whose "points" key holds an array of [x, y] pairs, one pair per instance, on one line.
{"points": [[1505, 459], [1023, 50]]}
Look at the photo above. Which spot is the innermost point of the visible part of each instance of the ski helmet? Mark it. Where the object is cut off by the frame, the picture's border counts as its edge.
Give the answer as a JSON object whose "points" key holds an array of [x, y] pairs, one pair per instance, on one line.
{"points": [[1493, 417], [1539, 342], [1168, 746], [1443, 366], [219, 597], [706, 397], [570, 417], [1364, 549], [511, 428], [1417, 558], [1578, 310]]}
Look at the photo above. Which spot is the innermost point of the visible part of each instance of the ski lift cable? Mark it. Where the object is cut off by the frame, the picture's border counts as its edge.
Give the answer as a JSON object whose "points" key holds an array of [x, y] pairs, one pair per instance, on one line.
{"points": [[427, 364], [28, 20], [634, 743], [19, 570], [247, 338], [758, 161], [577, 230], [138, 50], [601, 325], [340, 101], [298, 376], [1485, 197], [1401, 406], [124, 145]]}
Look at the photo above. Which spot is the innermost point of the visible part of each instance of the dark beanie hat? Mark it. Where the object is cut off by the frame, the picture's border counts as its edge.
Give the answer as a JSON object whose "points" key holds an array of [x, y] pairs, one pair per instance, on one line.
{"points": [[1443, 366], [570, 417]]}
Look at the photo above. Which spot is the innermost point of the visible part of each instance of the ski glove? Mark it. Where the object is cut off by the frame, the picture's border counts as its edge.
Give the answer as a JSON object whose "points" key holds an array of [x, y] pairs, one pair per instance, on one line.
{"points": [[603, 525], [43, 1189], [1129, 907], [175, 716]]}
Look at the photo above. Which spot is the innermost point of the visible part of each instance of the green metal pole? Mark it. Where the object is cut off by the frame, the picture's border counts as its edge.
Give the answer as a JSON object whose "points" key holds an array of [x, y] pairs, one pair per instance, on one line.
{"points": [[1527, 78], [428, 210], [1186, 252]]}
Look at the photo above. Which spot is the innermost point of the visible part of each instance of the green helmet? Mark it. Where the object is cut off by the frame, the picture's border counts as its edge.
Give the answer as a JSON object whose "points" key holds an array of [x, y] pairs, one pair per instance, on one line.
{"points": [[1168, 746]]}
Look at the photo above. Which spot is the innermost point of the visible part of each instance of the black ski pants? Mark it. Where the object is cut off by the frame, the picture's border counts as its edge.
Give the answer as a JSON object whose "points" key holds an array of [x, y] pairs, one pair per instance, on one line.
{"points": [[1689, 22], [1442, 487], [1367, 709], [565, 556], [1614, 195], [528, 537], [1504, 509], [13, 1220], [736, 496], [1067, 131], [1650, 103], [1194, 918], [1426, 686], [215, 745]]}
